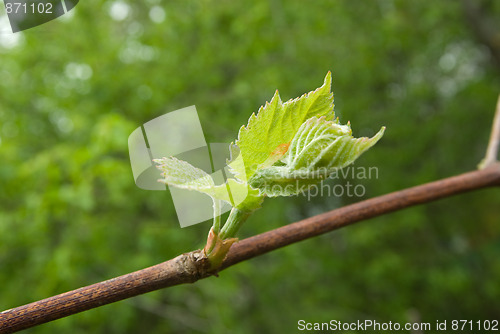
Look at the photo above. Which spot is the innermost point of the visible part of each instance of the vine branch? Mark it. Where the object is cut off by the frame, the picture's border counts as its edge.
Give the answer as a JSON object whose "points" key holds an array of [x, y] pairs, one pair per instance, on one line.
{"points": [[193, 266]]}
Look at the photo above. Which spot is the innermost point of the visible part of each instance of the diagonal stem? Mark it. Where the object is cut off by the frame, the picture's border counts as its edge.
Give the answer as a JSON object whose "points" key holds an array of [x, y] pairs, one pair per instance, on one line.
{"points": [[492, 150]]}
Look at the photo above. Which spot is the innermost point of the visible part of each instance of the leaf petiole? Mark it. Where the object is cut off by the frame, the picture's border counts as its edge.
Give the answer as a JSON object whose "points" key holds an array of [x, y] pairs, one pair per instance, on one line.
{"points": [[234, 221]]}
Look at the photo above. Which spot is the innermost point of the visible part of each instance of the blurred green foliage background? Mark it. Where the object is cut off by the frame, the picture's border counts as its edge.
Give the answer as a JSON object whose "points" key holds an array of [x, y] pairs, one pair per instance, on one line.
{"points": [[72, 90]]}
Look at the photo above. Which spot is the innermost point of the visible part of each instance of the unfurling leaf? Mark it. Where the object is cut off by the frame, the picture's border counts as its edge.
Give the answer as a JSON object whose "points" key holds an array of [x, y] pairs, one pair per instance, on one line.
{"points": [[323, 144], [275, 125], [318, 149], [183, 175]]}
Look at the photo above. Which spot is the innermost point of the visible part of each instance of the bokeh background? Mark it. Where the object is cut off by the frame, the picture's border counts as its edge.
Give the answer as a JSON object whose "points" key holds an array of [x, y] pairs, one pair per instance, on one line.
{"points": [[72, 90]]}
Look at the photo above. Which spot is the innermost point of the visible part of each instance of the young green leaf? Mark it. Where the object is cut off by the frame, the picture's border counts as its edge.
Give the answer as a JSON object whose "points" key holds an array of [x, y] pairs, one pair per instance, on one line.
{"points": [[323, 144], [183, 175], [319, 148], [275, 125]]}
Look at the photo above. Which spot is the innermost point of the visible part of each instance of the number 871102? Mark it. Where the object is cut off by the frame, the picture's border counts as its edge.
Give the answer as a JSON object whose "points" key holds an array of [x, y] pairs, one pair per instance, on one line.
{"points": [[24, 8]]}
